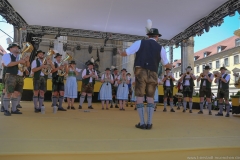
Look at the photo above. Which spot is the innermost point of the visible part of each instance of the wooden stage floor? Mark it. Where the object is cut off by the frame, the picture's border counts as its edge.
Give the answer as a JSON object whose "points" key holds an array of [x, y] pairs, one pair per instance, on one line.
{"points": [[110, 134]]}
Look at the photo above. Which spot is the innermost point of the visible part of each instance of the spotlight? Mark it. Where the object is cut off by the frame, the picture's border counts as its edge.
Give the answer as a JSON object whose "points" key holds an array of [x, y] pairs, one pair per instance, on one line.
{"points": [[102, 49], [78, 47], [231, 12], [220, 22], [51, 45], [206, 27], [176, 45], [90, 49], [64, 47], [114, 51]]}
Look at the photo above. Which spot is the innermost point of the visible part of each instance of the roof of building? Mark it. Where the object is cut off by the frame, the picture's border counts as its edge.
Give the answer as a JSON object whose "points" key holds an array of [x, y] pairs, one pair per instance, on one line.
{"points": [[211, 50]]}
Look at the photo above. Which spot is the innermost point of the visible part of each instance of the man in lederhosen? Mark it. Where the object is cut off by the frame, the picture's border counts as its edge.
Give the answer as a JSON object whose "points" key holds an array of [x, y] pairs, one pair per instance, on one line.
{"points": [[114, 88], [148, 56], [168, 89], [188, 84], [177, 99], [13, 82], [58, 83], [39, 80], [223, 91], [89, 76], [206, 79]]}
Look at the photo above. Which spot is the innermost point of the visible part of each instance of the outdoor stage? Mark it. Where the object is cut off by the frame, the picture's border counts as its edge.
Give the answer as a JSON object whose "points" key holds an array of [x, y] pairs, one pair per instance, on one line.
{"points": [[110, 134]]}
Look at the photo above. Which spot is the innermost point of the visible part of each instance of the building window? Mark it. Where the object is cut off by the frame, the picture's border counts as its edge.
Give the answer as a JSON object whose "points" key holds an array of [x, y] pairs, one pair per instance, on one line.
{"points": [[203, 66], [236, 59], [176, 74], [210, 65], [205, 54], [226, 62], [219, 49], [237, 42], [217, 64], [198, 69]]}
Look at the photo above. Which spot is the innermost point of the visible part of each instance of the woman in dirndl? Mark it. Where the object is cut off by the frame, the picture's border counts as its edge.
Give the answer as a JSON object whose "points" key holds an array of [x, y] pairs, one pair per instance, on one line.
{"points": [[70, 90], [105, 93], [122, 91], [156, 96]]}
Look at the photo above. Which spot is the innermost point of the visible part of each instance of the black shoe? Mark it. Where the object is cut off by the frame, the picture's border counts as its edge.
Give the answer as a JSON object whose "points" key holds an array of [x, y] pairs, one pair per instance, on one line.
{"points": [[2, 109], [131, 105], [190, 111], [210, 113], [200, 112], [178, 108], [116, 106], [219, 114], [19, 106], [227, 115], [68, 107], [172, 110], [184, 110], [149, 126], [126, 105], [61, 109], [164, 110], [143, 126], [73, 108], [16, 112], [155, 110], [80, 107], [90, 107], [7, 113], [135, 108], [111, 106], [37, 110]]}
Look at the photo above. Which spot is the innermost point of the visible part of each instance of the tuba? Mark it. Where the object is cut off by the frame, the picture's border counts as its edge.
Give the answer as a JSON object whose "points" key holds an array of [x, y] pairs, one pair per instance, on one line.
{"points": [[49, 55], [62, 72], [28, 48]]}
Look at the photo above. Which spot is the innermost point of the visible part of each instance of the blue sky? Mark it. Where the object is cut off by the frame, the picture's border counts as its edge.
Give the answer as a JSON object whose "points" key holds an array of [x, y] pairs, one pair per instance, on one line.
{"points": [[216, 34]]}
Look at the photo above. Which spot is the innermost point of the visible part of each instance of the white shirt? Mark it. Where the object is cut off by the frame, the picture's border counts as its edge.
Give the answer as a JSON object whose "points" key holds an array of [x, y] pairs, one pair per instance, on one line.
{"points": [[227, 78], [187, 78], [204, 82], [167, 82], [136, 45], [115, 76], [34, 65], [133, 80], [90, 72], [6, 59], [181, 86], [105, 76]]}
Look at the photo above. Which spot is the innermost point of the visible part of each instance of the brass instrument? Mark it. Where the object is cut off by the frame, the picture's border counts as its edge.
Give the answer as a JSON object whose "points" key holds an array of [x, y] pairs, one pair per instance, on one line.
{"points": [[49, 55], [216, 74], [28, 48], [188, 72], [62, 72]]}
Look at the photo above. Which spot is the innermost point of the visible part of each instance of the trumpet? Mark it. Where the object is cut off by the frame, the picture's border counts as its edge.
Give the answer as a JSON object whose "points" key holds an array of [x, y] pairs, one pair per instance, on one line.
{"points": [[216, 74], [48, 70], [61, 72], [27, 48], [202, 75], [188, 72]]}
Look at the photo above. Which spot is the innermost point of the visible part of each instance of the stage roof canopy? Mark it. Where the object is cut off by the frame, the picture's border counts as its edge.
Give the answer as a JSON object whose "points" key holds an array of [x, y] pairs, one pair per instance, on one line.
{"points": [[171, 17]]}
